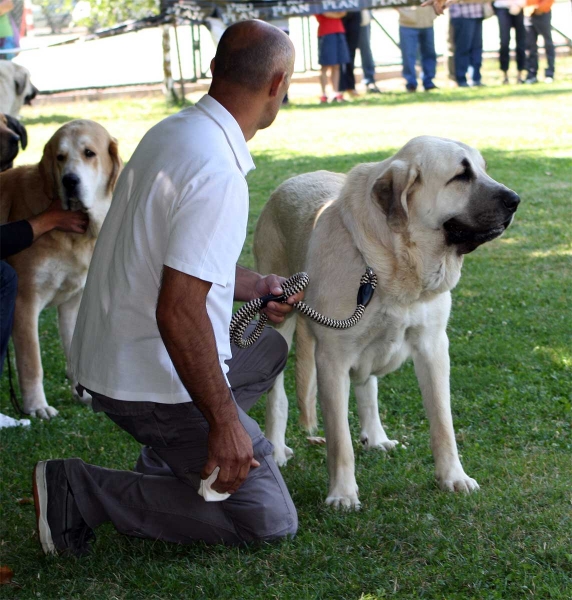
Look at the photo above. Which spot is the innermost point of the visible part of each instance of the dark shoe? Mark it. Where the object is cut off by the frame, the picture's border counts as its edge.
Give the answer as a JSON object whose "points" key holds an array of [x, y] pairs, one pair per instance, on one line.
{"points": [[61, 527], [463, 84], [505, 80], [373, 89], [411, 88], [478, 84], [430, 87], [531, 80]]}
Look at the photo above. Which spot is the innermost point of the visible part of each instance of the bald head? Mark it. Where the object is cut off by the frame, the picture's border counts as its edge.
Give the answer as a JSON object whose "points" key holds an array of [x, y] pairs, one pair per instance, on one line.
{"points": [[251, 53]]}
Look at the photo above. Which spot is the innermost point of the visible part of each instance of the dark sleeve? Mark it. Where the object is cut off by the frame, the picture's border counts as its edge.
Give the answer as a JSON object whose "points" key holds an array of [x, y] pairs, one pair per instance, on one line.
{"points": [[15, 237]]}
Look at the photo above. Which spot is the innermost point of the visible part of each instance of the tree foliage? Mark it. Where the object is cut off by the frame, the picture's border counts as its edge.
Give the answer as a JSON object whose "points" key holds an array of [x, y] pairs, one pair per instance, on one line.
{"points": [[106, 13]]}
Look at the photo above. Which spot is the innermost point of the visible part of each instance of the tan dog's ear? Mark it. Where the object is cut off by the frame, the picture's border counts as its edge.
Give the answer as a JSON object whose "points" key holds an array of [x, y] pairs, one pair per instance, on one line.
{"points": [[48, 171], [391, 189], [117, 165]]}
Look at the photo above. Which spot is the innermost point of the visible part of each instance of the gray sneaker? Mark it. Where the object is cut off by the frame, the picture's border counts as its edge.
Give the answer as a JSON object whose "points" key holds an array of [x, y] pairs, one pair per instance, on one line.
{"points": [[61, 527]]}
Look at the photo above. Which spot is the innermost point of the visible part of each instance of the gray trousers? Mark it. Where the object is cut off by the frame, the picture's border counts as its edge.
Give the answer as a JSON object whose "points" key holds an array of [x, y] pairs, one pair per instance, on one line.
{"points": [[159, 500]]}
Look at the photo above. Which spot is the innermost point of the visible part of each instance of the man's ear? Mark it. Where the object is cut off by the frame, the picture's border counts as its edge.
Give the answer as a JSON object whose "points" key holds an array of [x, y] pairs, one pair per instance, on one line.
{"points": [[212, 67], [391, 190], [277, 82]]}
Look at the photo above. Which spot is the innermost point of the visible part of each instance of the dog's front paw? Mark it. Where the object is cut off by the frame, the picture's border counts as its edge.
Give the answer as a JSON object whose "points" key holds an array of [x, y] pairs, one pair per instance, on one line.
{"points": [[377, 442], [457, 481], [43, 412], [343, 502], [282, 454]]}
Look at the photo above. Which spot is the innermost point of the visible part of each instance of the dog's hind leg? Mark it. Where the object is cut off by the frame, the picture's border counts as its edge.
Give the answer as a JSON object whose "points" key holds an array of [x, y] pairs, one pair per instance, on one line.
{"points": [[306, 384], [277, 404], [67, 316], [372, 434], [28, 358]]}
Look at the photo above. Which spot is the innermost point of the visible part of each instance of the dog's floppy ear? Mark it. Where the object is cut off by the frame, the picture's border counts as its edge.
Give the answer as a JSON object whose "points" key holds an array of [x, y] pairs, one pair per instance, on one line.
{"points": [[17, 127], [21, 79], [117, 164], [391, 189], [48, 171]]}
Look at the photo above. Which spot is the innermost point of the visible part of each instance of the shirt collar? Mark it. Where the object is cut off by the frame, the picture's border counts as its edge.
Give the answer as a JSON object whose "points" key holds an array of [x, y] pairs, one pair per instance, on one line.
{"points": [[231, 129]]}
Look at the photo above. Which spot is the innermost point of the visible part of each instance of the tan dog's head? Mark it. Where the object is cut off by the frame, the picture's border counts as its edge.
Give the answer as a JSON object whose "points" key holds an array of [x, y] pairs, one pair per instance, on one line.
{"points": [[80, 165], [12, 135], [441, 185]]}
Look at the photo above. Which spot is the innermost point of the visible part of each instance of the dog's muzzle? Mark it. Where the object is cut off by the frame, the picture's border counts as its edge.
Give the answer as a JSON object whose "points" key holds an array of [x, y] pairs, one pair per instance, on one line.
{"points": [[469, 237]]}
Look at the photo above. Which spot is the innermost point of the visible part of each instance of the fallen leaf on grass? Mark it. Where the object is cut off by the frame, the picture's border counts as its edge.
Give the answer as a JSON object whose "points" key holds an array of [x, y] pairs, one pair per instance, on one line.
{"points": [[316, 441], [25, 501], [6, 575]]}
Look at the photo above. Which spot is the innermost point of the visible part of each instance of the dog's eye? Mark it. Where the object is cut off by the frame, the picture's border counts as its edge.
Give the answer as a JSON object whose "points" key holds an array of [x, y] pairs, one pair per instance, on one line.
{"points": [[60, 157], [465, 175], [89, 153]]}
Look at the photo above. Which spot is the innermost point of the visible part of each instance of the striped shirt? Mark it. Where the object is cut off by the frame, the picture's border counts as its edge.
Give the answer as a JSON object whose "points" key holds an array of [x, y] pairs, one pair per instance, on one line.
{"points": [[466, 11]]}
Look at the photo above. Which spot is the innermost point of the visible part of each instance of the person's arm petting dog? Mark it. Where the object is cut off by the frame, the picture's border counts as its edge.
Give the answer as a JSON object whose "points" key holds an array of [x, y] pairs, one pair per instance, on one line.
{"points": [[19, 235], [250, 285], [187, 333]]}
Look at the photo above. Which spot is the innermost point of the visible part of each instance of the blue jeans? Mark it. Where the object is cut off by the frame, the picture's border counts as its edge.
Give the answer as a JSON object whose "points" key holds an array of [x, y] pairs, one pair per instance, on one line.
{"points": [[506, 23], [367, 64], [410, 40], [468, 48], [540, 25]]}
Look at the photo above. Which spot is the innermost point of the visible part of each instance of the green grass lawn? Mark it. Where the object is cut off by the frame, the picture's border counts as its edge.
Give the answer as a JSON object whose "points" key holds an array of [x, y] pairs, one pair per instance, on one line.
{"points": [[511, 384]]}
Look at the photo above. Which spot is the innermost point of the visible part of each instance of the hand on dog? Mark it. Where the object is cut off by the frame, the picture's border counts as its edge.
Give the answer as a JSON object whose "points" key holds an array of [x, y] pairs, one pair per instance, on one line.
{"points": [[55, 217], [276, 311]]}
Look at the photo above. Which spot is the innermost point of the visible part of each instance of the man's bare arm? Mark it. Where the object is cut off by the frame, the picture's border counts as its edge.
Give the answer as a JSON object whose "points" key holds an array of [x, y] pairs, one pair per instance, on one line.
{"points": [[187, 333]]}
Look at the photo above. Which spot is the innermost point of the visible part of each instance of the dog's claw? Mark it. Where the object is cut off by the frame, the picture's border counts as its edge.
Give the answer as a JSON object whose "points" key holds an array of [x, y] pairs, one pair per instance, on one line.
{"points": [[343, 503], [44, 412], [467, 485], [384, 445]]}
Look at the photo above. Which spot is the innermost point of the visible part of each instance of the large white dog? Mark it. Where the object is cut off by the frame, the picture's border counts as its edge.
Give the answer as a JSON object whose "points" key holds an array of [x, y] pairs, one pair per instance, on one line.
{"points": [[411, 218], [16, 88], [80, 166]]}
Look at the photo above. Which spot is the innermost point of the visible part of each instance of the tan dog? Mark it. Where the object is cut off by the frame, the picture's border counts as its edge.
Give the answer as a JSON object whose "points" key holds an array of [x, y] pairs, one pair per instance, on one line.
{"points": [[411, 218], [80, 165], [16, 89], [12, 135]]}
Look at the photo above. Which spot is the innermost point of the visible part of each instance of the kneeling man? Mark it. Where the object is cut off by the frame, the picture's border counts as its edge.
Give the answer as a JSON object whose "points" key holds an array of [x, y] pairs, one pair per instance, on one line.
{"points": [[151, 344]]}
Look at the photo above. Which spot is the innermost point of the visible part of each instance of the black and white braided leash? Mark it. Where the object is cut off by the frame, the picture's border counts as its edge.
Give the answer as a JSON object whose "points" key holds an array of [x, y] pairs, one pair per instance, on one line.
{"points": [[242, 317]]}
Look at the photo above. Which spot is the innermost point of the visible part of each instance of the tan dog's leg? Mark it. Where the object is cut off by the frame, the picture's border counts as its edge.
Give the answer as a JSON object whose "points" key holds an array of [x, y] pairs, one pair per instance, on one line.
{"points": [[372, 434], [67, 316], [432, 368], [306, 384], [277, 404], [333, 392], [28, 359]]}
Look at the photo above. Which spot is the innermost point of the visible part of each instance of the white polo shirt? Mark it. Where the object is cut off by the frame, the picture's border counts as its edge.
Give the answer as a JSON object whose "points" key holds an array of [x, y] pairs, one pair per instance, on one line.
{"points": [[181, 201]]}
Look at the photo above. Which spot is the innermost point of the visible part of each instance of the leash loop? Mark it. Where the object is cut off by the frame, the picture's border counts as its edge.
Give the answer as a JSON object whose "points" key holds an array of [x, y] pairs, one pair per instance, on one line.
{"points": [[242, 318]]}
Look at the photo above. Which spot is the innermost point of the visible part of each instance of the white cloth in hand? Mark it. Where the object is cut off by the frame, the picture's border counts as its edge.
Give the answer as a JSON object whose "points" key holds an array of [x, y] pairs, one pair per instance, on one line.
{"points": [[206, 491]]}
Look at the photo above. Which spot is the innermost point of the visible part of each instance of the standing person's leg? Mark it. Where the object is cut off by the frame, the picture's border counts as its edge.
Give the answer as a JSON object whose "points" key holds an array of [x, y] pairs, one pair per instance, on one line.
{"points": [[477, 50], [504, 19], [451, 51], [544, 27], [352, 26], [367, 62], [335, 79], [428, 56], [520, 38], [8, 292], [408, 40], [531, 50], [324, 82], [73, 498], [463, 33]]}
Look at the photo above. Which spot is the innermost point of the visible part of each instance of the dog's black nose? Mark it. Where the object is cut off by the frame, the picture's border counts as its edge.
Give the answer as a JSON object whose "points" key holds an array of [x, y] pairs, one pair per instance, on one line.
{"points": [[70, 181], [510, 199]]}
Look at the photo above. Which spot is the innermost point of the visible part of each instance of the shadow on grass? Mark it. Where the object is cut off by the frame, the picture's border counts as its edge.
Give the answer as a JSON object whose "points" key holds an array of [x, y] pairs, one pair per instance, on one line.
{"points": [[48, 120], [439, 96]]}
